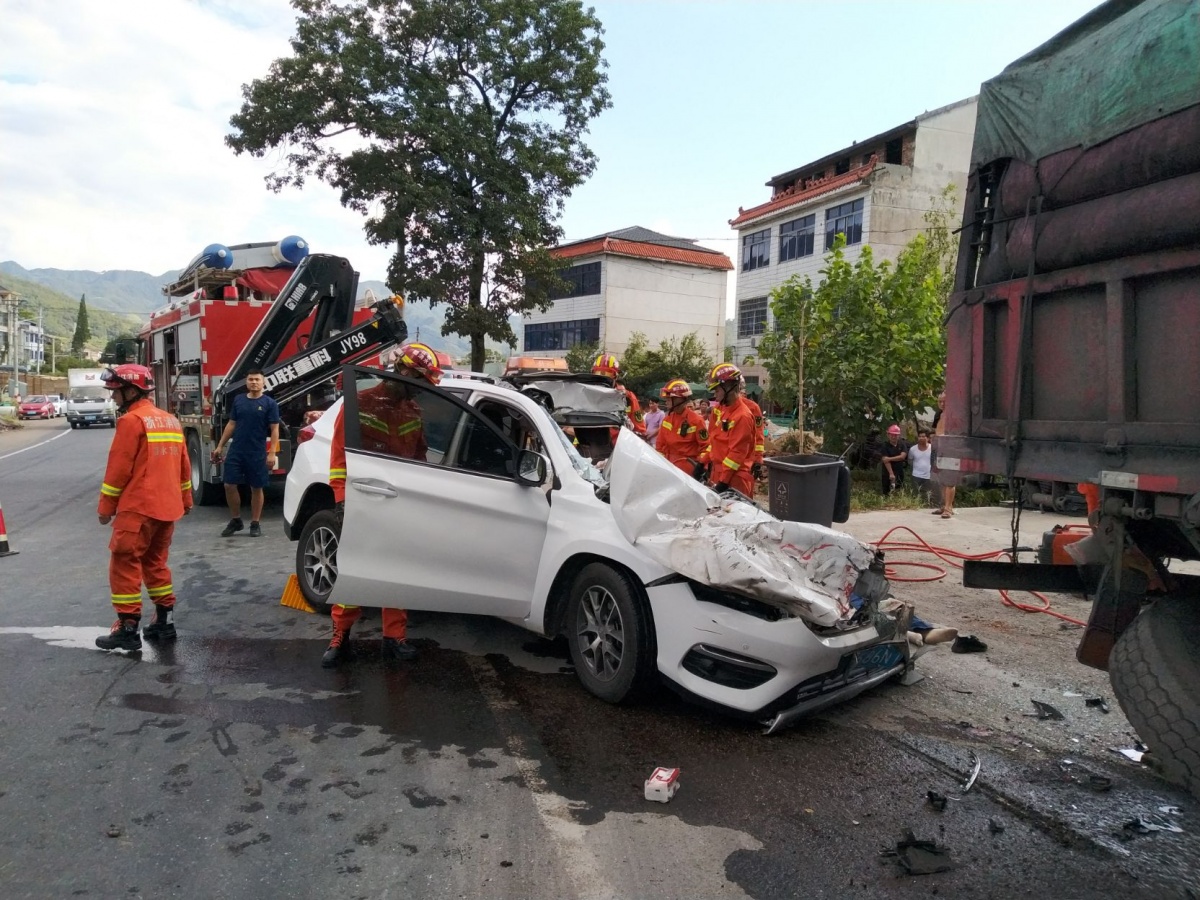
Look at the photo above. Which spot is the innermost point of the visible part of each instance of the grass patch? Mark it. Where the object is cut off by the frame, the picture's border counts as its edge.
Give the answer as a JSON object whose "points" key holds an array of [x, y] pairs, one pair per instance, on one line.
{"points": [[865, 495]]}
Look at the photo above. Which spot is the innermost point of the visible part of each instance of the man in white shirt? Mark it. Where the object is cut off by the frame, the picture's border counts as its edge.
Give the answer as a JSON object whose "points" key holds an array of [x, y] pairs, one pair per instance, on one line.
{"points": [[920, 455]]}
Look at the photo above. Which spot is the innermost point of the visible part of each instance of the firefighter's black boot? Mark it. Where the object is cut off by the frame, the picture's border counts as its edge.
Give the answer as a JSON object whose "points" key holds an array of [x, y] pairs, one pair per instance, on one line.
{"points": [[398, 649], [124, 635], [338, 650], [163, 626]]}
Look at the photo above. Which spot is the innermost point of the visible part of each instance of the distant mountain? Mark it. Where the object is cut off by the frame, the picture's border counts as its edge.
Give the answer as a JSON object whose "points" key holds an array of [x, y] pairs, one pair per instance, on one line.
{"points": [[118, 290], [58, 312], [134, 295]]}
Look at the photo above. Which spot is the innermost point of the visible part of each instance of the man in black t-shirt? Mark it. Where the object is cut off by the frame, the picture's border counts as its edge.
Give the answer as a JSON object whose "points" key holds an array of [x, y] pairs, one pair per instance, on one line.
{"points": [[252, 434], [892, 461]]}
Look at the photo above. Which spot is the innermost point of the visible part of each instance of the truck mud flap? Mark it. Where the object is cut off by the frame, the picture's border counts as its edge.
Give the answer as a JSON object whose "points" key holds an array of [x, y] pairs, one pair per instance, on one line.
{"points": [[1024, 577]]}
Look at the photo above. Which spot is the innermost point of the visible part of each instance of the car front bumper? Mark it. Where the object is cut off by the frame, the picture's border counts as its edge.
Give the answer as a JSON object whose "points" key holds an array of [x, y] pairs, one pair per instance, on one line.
{"points": [[773, 671]]}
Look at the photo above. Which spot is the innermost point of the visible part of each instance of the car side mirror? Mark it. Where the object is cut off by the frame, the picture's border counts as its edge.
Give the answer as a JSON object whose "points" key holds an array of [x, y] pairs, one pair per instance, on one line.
{"points": [[532, 468]]}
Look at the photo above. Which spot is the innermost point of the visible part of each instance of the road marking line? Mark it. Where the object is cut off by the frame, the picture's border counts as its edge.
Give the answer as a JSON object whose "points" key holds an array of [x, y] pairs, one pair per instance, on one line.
{"points": [[35, 446], [555, 811]]}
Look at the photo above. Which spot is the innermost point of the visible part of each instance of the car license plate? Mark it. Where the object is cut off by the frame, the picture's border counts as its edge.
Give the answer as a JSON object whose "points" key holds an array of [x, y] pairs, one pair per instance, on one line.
{"points": [[881, 656], [89, 418]]}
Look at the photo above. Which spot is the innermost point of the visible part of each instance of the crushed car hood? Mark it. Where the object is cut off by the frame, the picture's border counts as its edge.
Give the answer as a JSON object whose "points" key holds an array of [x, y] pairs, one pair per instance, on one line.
{"points": [[807, 570], [574, 399]]}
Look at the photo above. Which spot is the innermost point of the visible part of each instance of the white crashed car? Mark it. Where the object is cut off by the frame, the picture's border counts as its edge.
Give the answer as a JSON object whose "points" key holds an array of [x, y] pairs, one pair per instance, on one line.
{"points": [[643, 570]]}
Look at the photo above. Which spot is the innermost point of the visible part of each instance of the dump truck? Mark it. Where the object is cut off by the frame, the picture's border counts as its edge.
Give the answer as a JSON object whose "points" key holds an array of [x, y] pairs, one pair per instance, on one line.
{"points": [[1073, 358]]}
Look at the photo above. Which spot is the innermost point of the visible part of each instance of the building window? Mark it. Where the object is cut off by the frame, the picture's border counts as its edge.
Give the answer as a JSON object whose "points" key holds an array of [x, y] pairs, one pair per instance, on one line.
{"points": [[561, 335], [756, 250], [845, 219], [582, 281], [893, 151], [842, 166], [796, 238], [752, 317]]}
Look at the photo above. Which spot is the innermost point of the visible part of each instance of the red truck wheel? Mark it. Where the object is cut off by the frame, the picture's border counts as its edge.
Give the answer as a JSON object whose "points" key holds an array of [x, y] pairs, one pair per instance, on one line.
{"points": [[1155, 673]]}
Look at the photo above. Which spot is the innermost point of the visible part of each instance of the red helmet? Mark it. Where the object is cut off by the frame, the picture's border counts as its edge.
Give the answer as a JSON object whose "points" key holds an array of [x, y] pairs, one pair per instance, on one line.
{"points": [[128, 375], [421, 359], [722, 373], [607, 365], [676, 388]]}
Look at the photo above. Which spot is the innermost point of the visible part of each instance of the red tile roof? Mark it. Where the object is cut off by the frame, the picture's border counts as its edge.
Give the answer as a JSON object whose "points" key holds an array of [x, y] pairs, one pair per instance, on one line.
{"points": [[707, 259], [793, 197]]}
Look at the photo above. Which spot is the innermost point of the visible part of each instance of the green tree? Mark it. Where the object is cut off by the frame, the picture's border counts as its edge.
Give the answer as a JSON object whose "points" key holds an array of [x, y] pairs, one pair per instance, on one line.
{"points": [[121, 349], [581, 356], [83, 333], [869, 337], [644, 368], [456, 128]]}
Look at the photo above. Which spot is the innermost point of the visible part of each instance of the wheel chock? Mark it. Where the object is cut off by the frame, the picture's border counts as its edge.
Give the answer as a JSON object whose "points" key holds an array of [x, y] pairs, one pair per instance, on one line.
{"points": [[293, 598]]}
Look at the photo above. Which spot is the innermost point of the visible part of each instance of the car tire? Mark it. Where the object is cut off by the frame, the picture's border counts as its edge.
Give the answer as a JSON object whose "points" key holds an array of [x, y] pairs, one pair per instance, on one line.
{"points": [[611, 634], [203, 493], [1155, 673], [316, 558]]}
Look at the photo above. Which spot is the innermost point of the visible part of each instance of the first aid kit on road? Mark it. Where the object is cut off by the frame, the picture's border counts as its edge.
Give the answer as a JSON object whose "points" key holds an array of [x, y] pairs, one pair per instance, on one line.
{"points": [[662, 784]]}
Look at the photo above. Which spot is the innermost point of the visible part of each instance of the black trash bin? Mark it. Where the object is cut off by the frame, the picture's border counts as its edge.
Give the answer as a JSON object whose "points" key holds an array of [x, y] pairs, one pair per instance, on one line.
{"points": [[809, 487]]}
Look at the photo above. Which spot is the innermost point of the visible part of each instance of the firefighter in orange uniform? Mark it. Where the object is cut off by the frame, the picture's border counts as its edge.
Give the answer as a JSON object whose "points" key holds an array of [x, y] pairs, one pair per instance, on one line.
{"points": [[389, 421], [731, 440], [683, 434], [760, 446], [610, 367], [147, 488]]}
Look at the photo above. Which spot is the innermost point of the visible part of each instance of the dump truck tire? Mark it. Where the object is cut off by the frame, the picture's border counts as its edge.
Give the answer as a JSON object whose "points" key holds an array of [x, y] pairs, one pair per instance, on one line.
{"points": [[1155, 672]]}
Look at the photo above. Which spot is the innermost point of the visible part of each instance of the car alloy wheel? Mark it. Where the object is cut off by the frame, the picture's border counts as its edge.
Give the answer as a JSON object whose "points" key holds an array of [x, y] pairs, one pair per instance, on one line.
{"points": [[600, 633], [316, 558]]}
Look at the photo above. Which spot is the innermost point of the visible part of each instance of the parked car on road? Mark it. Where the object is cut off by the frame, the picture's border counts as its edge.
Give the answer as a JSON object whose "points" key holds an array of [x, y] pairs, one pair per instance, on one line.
{"points": [[38, 406], [503, 517], [60, 404]]}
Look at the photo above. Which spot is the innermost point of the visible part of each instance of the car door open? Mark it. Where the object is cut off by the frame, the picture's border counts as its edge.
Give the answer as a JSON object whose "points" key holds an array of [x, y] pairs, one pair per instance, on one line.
{"points": [[443, 511]]}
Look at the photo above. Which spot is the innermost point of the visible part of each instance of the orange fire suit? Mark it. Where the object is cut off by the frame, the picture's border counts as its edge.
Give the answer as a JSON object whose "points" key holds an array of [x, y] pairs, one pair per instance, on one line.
{"points": [[634, 416], [759, 442], [390, 425], [731, 446], [682, 438], [147, 486]]}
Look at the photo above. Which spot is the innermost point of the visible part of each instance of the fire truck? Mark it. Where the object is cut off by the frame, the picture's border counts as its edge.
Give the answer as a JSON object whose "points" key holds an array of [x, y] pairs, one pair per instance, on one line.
{"points": [[268, 306]]}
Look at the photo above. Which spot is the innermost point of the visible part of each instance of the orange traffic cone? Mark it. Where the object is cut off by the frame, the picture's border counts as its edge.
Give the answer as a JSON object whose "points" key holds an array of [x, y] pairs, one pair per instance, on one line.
{"points": [[4, 551]]}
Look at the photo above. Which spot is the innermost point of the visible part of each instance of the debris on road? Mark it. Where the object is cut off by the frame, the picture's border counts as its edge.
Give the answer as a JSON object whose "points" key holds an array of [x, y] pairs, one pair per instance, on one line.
{"points": [[936, 800], [1045, 712], [920, 857], [1147, 824], [1171, 810], [662, 784], [1097, 703], [995, 827], [974, 773], [1133, 753]]}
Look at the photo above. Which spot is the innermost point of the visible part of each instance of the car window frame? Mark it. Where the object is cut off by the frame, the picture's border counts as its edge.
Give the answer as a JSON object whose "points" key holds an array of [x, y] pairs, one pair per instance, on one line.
{"points": [[353, 437]]}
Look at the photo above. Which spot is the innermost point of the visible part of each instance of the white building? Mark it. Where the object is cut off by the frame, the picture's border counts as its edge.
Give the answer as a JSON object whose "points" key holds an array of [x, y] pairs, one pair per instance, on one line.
{"points": [[632, 280], [28, 345], [875, 192]]}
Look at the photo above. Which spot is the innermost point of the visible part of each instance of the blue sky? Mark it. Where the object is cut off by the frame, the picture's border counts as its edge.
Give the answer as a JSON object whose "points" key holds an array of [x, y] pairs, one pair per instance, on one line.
{"points": [[112, 115]]}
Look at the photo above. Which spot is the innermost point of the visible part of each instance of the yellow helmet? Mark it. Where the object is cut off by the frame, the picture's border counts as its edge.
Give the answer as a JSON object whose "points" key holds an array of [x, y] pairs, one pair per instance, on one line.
{"points": [[676, 388], [606, 364], [722, 373]]}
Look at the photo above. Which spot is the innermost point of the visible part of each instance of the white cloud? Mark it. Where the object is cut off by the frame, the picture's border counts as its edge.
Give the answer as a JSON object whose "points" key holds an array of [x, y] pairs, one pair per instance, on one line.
{"points": [[112, 152]]}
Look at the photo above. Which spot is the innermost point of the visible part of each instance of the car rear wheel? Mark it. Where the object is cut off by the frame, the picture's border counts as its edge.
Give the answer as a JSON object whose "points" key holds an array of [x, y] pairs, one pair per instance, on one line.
{"points": [[611, 634], [316, 558]]}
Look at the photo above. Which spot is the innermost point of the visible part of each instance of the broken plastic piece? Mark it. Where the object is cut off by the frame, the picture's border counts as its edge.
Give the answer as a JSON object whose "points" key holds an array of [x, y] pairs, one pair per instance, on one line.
{"points": [[1149, 825], [921, 857], [662, 784], [1098, 703], [974, 773], [1046, 711], [1171, 810], [1129, 752]]}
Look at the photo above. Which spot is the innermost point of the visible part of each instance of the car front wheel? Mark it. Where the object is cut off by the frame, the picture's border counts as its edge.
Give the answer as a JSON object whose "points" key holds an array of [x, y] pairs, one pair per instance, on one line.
{"points": [[611, 634], [316, 558]]}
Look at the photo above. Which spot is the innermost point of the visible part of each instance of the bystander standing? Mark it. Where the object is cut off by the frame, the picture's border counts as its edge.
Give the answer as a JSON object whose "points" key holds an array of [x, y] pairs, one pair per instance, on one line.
{"points": [[654, 420], [921, 457], [892, 459], [253, 418]]}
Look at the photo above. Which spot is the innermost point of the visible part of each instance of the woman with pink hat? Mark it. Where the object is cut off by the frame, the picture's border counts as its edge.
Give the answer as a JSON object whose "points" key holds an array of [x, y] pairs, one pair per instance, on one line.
{"points": [[891, 461]]}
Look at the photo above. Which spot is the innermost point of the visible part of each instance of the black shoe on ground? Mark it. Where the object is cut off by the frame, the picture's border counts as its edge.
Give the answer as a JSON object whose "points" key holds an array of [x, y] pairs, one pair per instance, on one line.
{"points": [[255, 530], [162, 628], [338, 650], [399, 650], [124, 636], [234, 526]]}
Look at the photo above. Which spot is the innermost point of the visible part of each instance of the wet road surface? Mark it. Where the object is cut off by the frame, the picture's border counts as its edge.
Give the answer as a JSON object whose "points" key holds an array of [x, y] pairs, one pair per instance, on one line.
{"points": [[230, 764]]}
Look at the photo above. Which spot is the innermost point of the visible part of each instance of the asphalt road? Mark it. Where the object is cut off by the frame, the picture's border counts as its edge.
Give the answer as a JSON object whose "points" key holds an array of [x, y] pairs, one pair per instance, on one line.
{"points": [[231, 765]]}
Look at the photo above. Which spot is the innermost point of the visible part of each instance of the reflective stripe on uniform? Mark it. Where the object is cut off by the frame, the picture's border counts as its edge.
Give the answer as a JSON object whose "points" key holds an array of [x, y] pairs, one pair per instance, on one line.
{"points": [[160, 591], [126, 598], [373, 422], [408, 427], [109, 491], [731, 464], [164, 437], [185, 485], [337, 473]]}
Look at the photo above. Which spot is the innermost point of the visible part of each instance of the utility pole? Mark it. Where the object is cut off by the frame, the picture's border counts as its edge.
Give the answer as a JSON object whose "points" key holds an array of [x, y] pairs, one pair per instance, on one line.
{"points": [[41, 342]]}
